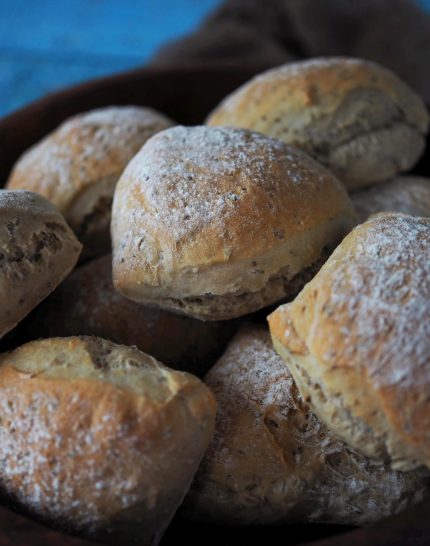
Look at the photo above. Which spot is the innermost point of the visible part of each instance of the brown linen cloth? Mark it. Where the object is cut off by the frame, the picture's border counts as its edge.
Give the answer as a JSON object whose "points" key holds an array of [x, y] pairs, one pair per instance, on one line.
{"points": [[395, 33]]}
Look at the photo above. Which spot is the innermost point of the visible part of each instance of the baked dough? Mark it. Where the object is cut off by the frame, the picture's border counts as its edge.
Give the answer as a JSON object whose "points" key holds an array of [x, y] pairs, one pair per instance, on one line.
{"points": [[354, 116], [78, 165], [99, 439], [357, 340], [273, 462], [37, 251], [219, 222]]}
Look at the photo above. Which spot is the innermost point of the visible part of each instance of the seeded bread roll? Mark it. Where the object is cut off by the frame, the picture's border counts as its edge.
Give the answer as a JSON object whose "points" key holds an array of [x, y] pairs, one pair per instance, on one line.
{"points": [[356, 340], [78, 165], [219, 222], [353, 116], [99, 439], [87, 304], [407, 194], [37, 250], [271, 459]]}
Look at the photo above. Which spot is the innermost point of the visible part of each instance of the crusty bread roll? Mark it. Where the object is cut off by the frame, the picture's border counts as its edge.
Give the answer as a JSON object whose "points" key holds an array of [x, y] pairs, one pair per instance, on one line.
{"points": [[87, 304], [271, 459], [357, 340], [218, 222], [407, 194], [354, 116], [78, 165], [99, 439], [37, 250]]}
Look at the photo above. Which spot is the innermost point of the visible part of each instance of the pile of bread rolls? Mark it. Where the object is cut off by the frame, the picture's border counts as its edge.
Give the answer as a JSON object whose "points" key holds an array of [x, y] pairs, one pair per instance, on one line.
{"points": [[290, 203]]}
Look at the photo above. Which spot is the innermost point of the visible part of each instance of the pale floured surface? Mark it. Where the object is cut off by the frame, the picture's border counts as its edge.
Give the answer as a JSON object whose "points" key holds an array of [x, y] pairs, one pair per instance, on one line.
{"points": [[102, 442], [99, 360], [354, 116], [379, 296], [198, 207], [337, 75], [358, 335], [273, 461], [84, 149]]}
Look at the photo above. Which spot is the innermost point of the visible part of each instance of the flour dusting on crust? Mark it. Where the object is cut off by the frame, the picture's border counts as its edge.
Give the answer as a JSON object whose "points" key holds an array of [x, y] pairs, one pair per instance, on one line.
{"points": [[378, 306], [86, 148], [273, 461], [195, 199]]}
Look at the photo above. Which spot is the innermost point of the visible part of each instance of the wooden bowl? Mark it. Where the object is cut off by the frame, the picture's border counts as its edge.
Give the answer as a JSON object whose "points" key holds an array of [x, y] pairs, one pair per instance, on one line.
{"points": [[187, 95]]}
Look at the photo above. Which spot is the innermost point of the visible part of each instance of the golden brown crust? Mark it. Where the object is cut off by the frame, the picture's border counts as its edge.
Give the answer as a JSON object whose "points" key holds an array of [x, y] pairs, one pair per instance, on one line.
{"points": [[354, 116], [357, 340], [98, 438], [407, 194], [271, 459], [77, 166], [37, 250], [217, 211], [281, 287], [87, 304]]}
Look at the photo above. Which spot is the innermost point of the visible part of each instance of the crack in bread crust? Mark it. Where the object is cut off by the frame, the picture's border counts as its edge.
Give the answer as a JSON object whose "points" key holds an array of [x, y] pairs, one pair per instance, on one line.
{"points": [[37, 250], [214, 307], [42, 241], [354, 116], [323, 150], [364, 320]]}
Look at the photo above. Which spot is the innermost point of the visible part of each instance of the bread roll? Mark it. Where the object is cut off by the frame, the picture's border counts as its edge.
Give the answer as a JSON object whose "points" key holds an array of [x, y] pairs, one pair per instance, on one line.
{"points": [[357, 340], [271, 459], [219, 222], [37, 250], [354, 116], [99, 439], [87, 304], [407, 194], [78, 165]]}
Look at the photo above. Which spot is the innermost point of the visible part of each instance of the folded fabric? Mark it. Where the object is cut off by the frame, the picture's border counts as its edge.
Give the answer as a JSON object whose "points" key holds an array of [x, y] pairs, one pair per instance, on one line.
{"points": [[395, 33]]}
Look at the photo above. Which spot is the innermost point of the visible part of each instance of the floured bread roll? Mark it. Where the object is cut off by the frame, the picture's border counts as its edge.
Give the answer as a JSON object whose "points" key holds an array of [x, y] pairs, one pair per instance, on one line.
{"points": [[353, 116], [87, 304], [219, 222], [407, 194], [357, 340], [78, 165], [37, 250], [272, 460], [99, 439]]}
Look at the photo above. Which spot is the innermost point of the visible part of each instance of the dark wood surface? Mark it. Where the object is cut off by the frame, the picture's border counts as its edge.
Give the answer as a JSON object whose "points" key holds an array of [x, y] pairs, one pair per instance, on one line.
{"points": [[187, 95]]}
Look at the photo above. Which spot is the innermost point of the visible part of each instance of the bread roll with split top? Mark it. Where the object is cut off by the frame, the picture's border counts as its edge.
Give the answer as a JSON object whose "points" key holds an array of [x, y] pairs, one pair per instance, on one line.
{"points": [[354, 116], [37, 251], [99, 439], [357, 340], [272, 461], [219, 222], [78, 165]]}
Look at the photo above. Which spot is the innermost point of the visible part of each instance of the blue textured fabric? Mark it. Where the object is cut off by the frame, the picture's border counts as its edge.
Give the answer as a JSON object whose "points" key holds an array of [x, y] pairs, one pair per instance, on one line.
{"points": [[48, 44]]}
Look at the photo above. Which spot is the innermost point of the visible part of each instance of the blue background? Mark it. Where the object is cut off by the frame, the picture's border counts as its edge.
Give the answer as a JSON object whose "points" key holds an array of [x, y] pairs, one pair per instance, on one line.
{"points": [[47, 44]]}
